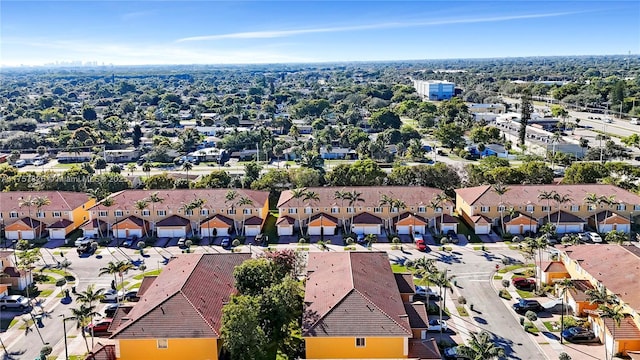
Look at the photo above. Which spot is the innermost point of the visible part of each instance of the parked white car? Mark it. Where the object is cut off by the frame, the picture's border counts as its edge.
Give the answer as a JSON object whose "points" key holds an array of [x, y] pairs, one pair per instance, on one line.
{"points": [[436, 325], [595, 237], [426, 292]]}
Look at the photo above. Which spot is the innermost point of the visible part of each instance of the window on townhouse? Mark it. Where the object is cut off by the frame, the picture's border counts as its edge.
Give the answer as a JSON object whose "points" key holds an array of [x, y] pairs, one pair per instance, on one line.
{"points": [[146, 212], [350, 210], [636, 208], [103, 213], [161, 212], [394, 210], [502, 208], [203, 212], [621, 207], [484, 209], [293, 211], [575, 208], [163, 343], [530, 208], [57, 214], [231, 212], [118, 213], [422, 209], [308, 210], [360, 342], [335, 210], [13, 215], [546, 208], [246, 211], [40, 214], [377, 210], [438, 210], [591, 207]]}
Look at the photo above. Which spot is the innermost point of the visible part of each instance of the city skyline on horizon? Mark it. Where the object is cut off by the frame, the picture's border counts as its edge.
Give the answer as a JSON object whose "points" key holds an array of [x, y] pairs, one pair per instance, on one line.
{"points": [[247, 32]]}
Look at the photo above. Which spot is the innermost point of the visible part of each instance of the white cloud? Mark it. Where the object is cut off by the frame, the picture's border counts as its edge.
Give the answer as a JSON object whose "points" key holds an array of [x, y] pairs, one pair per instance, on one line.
{"points": [[390, 25]]}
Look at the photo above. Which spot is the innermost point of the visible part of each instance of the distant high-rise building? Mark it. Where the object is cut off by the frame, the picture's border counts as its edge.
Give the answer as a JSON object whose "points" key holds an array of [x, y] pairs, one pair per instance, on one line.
{"points": [[435, 89]]}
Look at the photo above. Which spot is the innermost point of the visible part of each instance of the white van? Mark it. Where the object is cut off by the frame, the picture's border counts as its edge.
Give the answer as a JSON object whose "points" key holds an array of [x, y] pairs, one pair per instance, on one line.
{"points": [[635, 121], [20, 163]]}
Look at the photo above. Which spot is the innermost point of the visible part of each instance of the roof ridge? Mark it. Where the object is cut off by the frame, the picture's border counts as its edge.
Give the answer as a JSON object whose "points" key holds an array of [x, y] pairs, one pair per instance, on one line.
{"points": [[124, 325], [198, 311], [487, 187], [312, 326], [63, 199]]}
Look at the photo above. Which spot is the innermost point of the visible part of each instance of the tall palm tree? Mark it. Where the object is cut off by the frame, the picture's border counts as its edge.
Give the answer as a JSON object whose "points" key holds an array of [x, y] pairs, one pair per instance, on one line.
{"points": [[607, 201], [353, 197], [242, 202], [564, 285], [82, 316], [141, 205], [186, 166], [481, 347], [112, 268], [29, 203], [123, 267], [154, 199], [561, 199], [39, 202], [131, 167], [386, 200], [398, 204], [310, 197], [108, 202], [436, 204], [617, 314], [442, 280], [537, 245], [423, 267], [341, 195], [547, 195], [229, 198], [601, 297], [87, 297], [593, 200], [196, 204], [500, 189], [146, 167], [299, 194], [443, 199]]}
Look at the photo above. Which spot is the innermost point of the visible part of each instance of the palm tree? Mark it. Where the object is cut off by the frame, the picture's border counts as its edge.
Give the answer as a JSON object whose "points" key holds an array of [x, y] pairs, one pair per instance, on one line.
{"points": [[442, 280], [131, 167], [244, 201], [386, 200], [83, 316], [194, 204], [112, 268], [436, 204], [29, 203], [500, 189], [141, 205], [564, 285], [299, 194], [443, 199], [153, 199], [398, 204], [229, 198], [561, 199], [310, 197], [615, 313], [593, 200], [547, 195], [108, 202], [341, 195], [608, 201], [123, 267], [87, 297], [423, 267], [354, 197], [481, 347], [146, 167], [39, 202], [601, 297], [188, 165], [537, 245]]}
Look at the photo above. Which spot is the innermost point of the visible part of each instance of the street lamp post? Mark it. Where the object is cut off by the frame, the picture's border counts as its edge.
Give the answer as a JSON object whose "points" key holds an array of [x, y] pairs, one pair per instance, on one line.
{"points": [[64, 328]]}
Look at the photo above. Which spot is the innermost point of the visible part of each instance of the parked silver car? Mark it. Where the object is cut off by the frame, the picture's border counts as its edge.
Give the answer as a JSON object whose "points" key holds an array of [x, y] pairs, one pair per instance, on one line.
{"points": [[14, 302]]}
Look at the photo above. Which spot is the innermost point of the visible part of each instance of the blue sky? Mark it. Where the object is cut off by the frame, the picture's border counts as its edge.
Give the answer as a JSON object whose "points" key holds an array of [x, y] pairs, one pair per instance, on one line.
{"points": [[232, 32]]}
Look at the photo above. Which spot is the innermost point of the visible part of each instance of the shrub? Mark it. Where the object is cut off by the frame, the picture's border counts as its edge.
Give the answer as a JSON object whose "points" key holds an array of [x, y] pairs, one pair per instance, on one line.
{"points": [[531, 316], [564, 356], [506, 283], [462, 300], [504, 294]]}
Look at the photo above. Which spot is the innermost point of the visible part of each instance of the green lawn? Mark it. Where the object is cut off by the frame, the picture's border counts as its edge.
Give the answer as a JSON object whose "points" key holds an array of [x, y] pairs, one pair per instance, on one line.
{"points": [[270, 228], [148, 273], [462, 311], [525, 294], [397, 268], [552, 326]]}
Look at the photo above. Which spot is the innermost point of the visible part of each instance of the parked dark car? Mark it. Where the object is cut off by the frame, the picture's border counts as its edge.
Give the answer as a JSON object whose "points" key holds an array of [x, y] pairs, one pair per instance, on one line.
{"points": [[579, 335], [225, 242], [523, 305], [110, 310], [523, 283]]}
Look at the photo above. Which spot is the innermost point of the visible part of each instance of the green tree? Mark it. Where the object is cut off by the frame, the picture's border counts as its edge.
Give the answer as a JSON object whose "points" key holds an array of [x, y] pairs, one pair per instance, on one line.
{"points": [[616, 314], [136, 135], [89, 113], [450, 135], [217, 179], [526, 109], [159, 181], [83, 316], [241, 332], [385, 119], [481, 347]]}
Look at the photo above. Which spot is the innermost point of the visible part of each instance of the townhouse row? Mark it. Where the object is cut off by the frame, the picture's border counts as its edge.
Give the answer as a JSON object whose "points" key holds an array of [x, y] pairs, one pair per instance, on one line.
{"points": [[355, 307], [327, 211]]}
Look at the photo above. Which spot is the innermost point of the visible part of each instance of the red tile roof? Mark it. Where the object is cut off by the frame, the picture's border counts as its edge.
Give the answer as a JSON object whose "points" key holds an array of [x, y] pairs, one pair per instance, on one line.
{"points": [[134, 219], [173, 220], [528, 194], [424, 349], [30, 222], [446, 219], [610, 217], [254, 220], [417, 312], [147, 281], [405, 283], [367, 219], [480, 219], [565, 218], [222, 218], [60, 200], [553, 267], [186, 299], [176, 198], [93, 224], [60, 224], [615, 266], [353, 294], [286, 219], [411, 195], [628, 330], [579, 290]]}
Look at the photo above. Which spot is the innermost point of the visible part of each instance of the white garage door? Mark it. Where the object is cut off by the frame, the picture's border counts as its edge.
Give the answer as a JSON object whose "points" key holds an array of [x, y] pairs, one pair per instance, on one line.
{"points": [[57, 234], [329, 230], [12, 235], [285, 230], [622, 227], [405, 229], [252, 230], [90, 233], [447, 227], [314, 230], [482, 229], [563, 229], [366, 229], [172, 232]]}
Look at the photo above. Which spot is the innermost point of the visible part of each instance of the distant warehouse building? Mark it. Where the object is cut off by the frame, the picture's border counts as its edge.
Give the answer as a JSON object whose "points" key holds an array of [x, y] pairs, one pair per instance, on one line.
{"points": [[435, 89]]}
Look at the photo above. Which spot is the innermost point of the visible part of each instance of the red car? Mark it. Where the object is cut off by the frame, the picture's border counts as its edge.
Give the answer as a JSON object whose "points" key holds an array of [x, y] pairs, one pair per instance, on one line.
{"points": [[101, 327], [523, 283], [420, 244]]}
